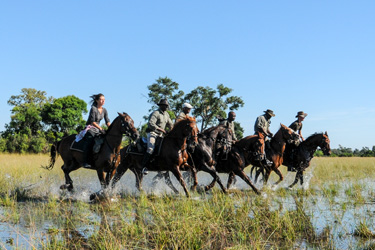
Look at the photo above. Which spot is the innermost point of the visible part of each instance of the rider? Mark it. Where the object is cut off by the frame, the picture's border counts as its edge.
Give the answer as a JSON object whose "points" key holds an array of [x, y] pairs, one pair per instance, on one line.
{"points": [[157, 122], [262, 125], [297, 125], [186, 107], [229, 122], [97, 113]]}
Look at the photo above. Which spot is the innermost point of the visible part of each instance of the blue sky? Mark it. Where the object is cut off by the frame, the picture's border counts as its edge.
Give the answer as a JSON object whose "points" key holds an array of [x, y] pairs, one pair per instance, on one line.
{"points": [[315, 56]]}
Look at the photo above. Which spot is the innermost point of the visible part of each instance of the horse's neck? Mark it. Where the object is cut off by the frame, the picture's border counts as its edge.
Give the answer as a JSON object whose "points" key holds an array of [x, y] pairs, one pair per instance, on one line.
{"points": [[210, 139], [311, 144], [278, 143], [178, 139], [114, 136]]}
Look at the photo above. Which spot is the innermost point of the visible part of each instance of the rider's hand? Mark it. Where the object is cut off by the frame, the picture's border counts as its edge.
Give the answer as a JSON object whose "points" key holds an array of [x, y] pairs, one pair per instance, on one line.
{"points": [[102, 131], [270, 135]]}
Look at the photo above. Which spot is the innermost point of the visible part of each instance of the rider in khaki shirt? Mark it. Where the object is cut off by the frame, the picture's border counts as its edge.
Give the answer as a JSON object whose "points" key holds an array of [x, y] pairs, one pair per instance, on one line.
{"points": [[262, 125], [158, 121]]}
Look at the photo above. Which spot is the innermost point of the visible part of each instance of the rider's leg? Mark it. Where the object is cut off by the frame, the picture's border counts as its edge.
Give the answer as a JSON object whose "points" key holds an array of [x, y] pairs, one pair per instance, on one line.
{"points": [[151, 139], [88, 141]]}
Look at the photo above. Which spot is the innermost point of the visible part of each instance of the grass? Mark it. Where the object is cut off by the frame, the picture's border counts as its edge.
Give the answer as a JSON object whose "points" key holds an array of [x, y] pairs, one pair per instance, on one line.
{"points": [[278, 219]]}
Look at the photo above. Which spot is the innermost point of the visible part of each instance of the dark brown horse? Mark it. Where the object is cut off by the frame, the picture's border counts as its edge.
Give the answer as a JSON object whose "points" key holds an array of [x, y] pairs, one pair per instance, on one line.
{"points": [[172, 155], [248, 150], [299, 158], [105, 162], [275, 153], [210, 141]]}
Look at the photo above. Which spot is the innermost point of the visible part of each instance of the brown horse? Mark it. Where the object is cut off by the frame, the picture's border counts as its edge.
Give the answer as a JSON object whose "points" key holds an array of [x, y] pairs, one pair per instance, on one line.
{"points": [[275, 152], [299, 158], [248, 150], [105, 162], [172, 155]]}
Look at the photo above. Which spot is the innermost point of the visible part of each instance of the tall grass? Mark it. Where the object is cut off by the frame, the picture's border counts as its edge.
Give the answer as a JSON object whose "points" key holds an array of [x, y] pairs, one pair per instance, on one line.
{"points": [[29, 196]]}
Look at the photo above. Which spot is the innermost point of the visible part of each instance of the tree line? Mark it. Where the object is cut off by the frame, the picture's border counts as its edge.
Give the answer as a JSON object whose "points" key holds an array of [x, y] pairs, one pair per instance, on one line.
{"points": [[37, 120]]}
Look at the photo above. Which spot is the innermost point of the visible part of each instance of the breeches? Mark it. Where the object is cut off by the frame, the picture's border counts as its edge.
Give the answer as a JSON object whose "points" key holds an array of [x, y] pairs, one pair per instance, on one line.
{"points": [[151, 139]]}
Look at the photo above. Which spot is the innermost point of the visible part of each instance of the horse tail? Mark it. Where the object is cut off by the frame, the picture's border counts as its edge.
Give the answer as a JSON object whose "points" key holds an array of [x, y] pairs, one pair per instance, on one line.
{"points": [[53, 155]]}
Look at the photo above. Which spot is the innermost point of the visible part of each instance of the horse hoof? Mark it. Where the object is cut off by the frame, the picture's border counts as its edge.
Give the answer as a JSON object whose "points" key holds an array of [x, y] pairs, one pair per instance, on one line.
{"points": [[66, 186]]}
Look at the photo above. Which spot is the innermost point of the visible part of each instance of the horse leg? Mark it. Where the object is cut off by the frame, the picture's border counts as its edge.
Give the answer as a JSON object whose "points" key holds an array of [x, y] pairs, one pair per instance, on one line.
{"points": [[121, 169], [102, 176], [281, 177], [295, 180], [178, 175], [68, 181], [300, 176], [168, 181], [195, 184], [231, 177], [157, 178], [242, 174], [138, 179]]}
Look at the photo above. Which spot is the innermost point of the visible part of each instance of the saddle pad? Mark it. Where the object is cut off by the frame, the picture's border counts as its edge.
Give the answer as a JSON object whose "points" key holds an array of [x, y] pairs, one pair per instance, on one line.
{"points": [[77, 146]]}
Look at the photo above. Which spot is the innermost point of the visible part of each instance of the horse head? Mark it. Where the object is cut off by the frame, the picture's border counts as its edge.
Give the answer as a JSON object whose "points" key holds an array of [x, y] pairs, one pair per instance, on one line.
{"points": [[186, 128], [193, 138], [127, 126], [254, 146], [289, 135], [325, 144]]}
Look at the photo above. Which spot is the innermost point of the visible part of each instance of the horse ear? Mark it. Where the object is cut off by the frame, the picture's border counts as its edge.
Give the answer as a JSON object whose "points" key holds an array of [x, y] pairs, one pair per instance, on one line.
{"points": [[120, 114], [326, 133]]}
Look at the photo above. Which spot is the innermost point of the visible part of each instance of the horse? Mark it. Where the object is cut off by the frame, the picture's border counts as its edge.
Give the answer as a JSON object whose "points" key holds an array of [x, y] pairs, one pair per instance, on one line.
{"points": [[210, 141], [275, 152], [172, 155], [104, 162], [299, 158], [248, 150]]}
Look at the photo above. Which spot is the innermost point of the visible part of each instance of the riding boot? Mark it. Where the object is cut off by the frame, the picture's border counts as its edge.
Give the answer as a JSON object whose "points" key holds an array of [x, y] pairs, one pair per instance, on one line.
{"points": [[85, 161], [145, 160], [85, 152]]}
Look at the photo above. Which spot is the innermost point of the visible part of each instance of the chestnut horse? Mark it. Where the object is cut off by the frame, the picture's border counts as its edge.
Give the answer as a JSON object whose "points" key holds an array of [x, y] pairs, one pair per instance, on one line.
{"points": [[172, 155], [248, 150], [299, 158], [105, 162], [275, 153]]}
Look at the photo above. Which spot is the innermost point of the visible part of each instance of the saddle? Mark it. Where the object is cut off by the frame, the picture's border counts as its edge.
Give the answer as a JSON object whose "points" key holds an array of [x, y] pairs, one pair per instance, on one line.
{"points": [[81, 144], [140, 147]]}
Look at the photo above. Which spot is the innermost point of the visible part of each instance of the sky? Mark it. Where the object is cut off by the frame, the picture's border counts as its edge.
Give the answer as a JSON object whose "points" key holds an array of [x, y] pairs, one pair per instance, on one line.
{"points": [[288, 56]]}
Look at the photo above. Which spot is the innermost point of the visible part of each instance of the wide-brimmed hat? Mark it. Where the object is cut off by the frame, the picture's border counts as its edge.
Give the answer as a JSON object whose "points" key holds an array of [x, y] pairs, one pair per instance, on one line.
{"points": [[187, 105], [302, 114], [163, 102], [270, 112]]}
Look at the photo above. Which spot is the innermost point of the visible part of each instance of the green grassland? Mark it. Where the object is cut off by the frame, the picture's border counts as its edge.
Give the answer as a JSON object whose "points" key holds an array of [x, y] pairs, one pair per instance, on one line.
{"points": [[277, 219]]}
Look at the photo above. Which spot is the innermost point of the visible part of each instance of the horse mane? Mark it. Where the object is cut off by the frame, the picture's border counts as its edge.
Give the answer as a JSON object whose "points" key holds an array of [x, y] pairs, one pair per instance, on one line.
{"points": [[180, 123], [118, 117], [245, 140], [208, 131], [313, 135]]}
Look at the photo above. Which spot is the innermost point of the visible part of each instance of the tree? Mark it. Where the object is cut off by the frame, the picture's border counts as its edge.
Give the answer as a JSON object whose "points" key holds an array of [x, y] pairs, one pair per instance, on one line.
{"points": [[165, 88], [26, 118], [209, 103], [64, 116]]}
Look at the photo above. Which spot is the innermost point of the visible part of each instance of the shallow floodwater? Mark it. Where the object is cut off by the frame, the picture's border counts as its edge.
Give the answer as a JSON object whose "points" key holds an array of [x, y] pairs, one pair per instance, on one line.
{"points": [[337, 214]]}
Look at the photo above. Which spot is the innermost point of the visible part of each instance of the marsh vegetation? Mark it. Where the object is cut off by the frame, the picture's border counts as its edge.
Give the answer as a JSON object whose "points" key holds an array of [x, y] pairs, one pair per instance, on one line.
{"points": [[333, 210]]}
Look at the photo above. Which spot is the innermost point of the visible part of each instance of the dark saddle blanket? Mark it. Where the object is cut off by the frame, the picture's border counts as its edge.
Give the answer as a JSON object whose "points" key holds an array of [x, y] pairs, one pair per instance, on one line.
{"points": [[82, 144], [140, 147]]}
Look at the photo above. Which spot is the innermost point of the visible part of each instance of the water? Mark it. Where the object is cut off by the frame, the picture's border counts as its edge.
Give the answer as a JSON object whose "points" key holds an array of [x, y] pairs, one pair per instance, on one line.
{"points": [[324, 212]]}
